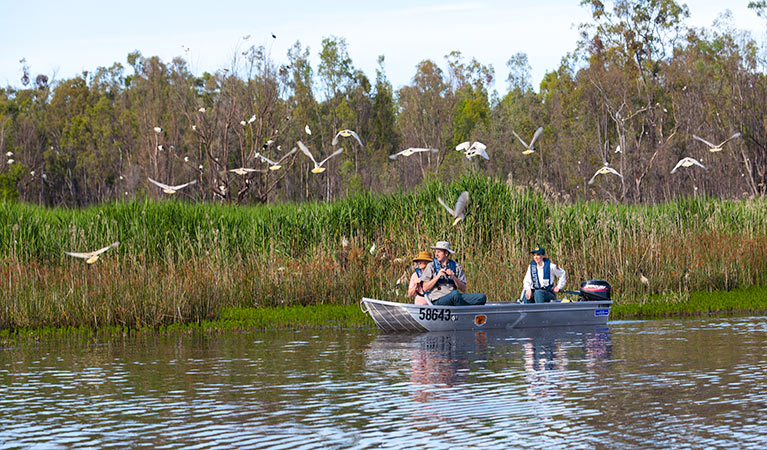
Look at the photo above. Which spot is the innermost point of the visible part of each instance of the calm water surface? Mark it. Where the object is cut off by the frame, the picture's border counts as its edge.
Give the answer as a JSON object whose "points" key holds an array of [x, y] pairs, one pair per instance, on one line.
{"points": [[660, 384]]}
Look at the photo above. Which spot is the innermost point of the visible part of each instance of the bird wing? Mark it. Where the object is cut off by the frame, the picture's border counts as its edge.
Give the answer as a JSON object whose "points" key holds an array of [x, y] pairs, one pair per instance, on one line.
{"points": [[335, 153], [286, 155], [704, 141], [679, 164], [79, 255], [334, 142], [697, 163], [520, 139], [477, 147], [460, 205], [441, 202], [265, 159], [306, 151], [594, 177], [736, 135], [182, 186], [162, 185], [394, 156], [611, 170], [355, 136], [102, 250], [463, 146], [535, 136]]}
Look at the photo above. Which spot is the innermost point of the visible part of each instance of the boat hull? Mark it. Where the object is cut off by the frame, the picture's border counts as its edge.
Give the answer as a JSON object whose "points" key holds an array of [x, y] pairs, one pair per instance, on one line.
{"points": [[408, 317]]}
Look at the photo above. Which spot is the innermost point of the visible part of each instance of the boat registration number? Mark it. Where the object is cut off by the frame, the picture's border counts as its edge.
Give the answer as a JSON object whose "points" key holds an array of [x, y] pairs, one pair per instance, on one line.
{"points": [[601, 312], [434, 314]]}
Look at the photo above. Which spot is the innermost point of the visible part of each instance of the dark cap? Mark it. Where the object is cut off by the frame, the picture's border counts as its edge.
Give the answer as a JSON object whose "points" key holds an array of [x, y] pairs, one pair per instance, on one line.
{"points": [[538, 251]]}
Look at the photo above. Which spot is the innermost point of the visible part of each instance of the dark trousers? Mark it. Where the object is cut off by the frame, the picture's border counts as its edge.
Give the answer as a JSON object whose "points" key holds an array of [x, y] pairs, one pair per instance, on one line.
{"points": [[541, 296], [455, 298]]}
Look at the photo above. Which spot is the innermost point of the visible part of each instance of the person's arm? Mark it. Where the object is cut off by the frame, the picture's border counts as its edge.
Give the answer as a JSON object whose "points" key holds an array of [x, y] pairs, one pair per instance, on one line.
{"points": [[561, 277], [429, 278], [412, 288], [527, 284], [459, 278]]}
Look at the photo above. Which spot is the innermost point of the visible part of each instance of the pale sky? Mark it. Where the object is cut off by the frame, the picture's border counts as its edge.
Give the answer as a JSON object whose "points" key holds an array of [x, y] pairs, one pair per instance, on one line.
{"points": [[68, 37]]}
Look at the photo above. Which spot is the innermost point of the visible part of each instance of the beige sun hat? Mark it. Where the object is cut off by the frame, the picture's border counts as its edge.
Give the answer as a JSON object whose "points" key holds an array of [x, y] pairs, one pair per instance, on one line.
{"points": [[443, 245]]}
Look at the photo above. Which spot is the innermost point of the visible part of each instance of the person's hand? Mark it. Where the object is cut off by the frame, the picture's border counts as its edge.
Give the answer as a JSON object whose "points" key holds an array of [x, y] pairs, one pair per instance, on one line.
{"points": [[449, 272], [529, 294], [556, 290]]}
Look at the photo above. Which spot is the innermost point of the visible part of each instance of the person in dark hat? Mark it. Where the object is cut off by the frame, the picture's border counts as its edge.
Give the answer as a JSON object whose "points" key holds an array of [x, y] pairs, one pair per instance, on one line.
{"points": [[539, 280], [415, 288], [444, 280]]}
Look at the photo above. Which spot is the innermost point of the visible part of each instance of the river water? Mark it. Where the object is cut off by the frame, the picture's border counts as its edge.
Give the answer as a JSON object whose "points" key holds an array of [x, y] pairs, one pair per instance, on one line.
{"points": [[646, 384]]}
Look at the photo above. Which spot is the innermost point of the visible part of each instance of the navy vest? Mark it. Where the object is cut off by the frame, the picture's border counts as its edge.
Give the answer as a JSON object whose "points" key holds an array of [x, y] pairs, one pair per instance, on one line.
{"points": [[450, 265], [546, 274]]}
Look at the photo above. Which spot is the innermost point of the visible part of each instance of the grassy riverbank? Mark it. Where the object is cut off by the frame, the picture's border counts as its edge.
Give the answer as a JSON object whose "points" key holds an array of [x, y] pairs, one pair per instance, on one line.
{"points": [[184, 263]]}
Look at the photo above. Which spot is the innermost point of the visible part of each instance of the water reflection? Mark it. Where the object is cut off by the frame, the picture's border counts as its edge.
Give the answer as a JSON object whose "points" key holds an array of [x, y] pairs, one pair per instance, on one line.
{"points": [[632, 385]]}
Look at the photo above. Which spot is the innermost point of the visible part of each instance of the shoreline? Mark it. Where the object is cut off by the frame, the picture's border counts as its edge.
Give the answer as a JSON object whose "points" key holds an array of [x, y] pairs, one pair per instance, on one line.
{"points": [[750, 300]]}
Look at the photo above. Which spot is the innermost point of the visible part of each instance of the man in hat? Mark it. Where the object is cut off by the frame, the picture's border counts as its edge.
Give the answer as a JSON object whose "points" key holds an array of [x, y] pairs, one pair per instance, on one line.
{"points": [[415, 288], [539, 279], [444, 280]]}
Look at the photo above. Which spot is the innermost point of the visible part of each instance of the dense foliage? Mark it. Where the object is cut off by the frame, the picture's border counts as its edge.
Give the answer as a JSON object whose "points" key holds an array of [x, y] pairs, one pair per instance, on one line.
{"points": [[639, 79]]}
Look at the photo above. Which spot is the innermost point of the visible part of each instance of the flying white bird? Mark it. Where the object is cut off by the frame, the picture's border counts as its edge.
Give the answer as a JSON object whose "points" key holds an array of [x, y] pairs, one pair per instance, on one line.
{"points": [[11, 161], [472, 150], [194, 127], [373, 249], [687, 162], [171, 189], [604, 170], [460, 207], [92, 257], [477, 149], [317, 165], [246, 37], [157, 130], [308, 130], [252, 119], [618, 149], [243, 123], [346, 133], [202, 109], [243, 170], [531, 147], [411, 150], [275, 165], [716, 148], [9, 154]]}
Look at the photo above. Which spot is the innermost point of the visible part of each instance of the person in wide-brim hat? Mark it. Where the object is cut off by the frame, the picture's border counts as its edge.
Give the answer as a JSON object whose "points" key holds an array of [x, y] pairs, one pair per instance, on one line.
{"points": [[415, 288], [444, 280], [443, 245]]}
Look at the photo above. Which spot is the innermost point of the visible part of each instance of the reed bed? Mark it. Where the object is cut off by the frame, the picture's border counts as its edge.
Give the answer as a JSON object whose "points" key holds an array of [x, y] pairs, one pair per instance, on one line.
{"points": [[184, 263]]}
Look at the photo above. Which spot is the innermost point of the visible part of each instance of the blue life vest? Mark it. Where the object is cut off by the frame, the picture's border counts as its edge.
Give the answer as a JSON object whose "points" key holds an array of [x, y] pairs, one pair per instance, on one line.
{"points": [[419, 272], [546, 274], [450, 265]]}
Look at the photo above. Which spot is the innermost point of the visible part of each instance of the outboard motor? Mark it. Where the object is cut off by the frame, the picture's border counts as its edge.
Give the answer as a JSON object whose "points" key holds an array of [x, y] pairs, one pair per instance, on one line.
{"points": [[595, 290]]}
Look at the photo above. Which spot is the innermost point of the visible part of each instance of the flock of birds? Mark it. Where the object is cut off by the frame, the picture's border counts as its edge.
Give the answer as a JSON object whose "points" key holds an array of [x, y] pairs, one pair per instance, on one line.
{"points": [[458, 212]]}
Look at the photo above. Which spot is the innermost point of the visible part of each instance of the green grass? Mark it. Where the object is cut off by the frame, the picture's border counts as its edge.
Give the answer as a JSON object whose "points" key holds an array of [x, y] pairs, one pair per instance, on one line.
{"points": [[184, 263]]}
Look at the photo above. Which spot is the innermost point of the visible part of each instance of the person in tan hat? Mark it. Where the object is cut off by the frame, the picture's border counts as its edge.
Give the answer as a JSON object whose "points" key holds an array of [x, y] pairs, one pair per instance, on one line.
{"points": [[444, 280], [415, 289]]}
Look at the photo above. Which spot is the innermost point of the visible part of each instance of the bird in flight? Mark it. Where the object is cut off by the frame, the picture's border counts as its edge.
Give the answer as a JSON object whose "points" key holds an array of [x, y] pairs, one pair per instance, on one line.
{"points": [[346, 133], [92, 257], [604, 170], [687, 162], [171, 189], [157, 130], [243, 170], [531, 147], [716, 148], [472, 150], [275, 165], [460, 207], [317, 165], [308, 130], [411, 150]]}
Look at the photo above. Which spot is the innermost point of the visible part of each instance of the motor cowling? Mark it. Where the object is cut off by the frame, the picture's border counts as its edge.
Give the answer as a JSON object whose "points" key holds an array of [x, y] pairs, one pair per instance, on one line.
{"points": [[595, 290]]}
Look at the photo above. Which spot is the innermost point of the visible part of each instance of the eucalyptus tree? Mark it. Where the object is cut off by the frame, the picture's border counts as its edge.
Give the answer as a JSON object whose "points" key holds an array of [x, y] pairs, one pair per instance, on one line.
{"points": [[626, 47]]}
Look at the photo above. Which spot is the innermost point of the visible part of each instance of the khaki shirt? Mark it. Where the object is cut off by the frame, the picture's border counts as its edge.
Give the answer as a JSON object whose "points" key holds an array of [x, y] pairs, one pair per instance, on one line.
{"points": [[442, 287]]}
